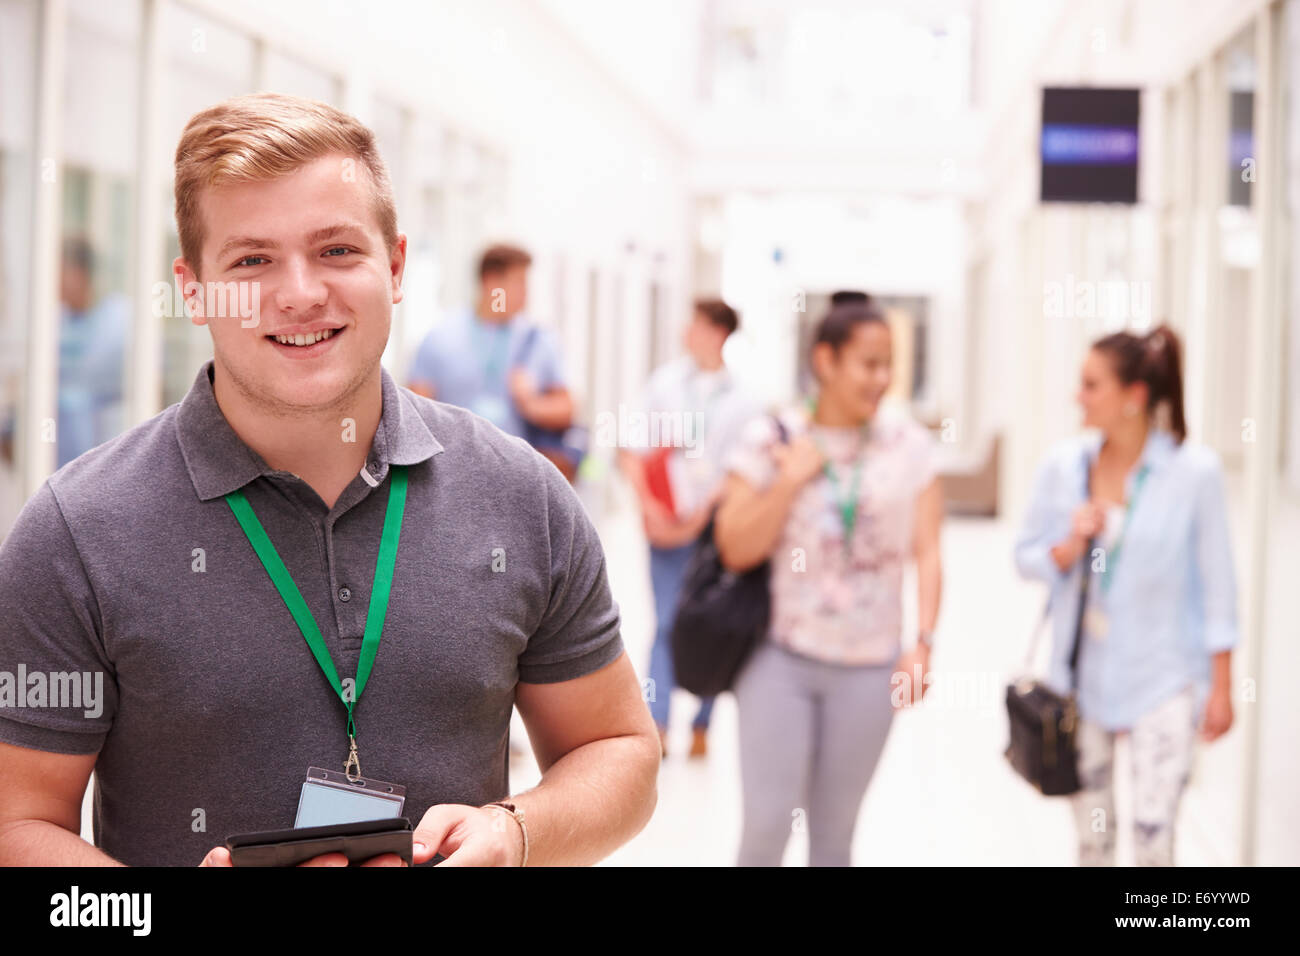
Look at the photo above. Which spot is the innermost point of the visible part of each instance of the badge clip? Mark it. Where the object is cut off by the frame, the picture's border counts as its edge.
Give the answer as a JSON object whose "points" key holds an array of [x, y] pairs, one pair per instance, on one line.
{"points": [[353, 761]]}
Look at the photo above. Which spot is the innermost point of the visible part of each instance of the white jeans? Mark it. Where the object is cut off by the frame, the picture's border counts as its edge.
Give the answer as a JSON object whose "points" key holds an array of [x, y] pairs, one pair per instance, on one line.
{"points": [[1161, 744]]}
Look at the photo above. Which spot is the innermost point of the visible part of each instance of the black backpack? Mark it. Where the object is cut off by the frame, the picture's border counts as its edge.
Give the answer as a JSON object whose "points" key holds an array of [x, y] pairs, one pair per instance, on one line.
{"points": [[721, 616]]}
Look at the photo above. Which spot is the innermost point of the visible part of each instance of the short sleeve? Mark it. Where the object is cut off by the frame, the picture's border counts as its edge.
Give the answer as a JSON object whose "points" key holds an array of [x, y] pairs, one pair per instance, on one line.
{"points": [[921, 457], [751, 453], [648, 400], [58, 689], [544, 361], [426, 367], [727, 424], [579, 630]]}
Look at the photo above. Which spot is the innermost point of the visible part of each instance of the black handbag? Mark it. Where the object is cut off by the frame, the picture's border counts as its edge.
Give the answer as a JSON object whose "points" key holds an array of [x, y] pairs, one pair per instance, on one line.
{"points": [[1042, 726], [1043, 723], [720, 617]]}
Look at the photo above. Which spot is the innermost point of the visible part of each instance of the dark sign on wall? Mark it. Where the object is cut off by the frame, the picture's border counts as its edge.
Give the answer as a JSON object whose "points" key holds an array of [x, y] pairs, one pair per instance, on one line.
{"points": [[1089, 145]]}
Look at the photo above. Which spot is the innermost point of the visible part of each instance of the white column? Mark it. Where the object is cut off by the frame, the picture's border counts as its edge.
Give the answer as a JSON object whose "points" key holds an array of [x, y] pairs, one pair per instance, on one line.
{"points": [[145, 359], [40, 405], [1265, 403], [1201, 378], [404, 192]]}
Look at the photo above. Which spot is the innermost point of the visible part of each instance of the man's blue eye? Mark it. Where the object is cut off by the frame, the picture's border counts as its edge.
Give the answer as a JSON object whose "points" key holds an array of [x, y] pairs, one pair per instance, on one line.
{"points": [[244, 261], [330, 252]]}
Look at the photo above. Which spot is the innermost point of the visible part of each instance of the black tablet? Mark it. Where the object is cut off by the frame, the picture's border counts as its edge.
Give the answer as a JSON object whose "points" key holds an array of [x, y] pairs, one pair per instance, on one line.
{"points": [[358, 841]]}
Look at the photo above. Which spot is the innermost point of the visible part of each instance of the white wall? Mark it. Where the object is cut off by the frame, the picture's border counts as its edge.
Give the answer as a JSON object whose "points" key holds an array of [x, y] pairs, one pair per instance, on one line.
{"points": [[589, 166], [1023, 245]]}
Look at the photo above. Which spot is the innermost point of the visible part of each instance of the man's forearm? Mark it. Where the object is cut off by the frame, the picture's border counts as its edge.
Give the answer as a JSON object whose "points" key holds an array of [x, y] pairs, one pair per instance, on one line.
{"points": [[550, 410], [41, 843], [629, 464], [591, 801]]}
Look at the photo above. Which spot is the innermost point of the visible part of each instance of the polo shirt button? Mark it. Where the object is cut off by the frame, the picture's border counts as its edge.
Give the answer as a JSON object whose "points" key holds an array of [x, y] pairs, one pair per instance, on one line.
{"points": [[345, 594]]}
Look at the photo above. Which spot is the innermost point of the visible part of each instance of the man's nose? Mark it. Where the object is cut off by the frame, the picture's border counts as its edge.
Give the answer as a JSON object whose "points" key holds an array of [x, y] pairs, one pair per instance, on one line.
{"points": [[300, 287]]}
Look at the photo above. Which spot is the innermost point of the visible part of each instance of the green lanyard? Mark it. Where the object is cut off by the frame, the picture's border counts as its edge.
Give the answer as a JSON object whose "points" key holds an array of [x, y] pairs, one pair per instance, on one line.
{"points": [[846, 504], [293, 599], [1113, 559]]}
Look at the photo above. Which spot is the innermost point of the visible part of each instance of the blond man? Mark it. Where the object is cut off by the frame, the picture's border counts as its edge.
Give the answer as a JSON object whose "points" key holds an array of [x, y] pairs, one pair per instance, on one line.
{"points": [[133, 569]]}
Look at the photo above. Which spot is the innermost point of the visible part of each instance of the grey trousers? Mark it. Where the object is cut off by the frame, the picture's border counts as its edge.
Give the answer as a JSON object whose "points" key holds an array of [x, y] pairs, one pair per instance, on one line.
{"points": [[811, 734]]}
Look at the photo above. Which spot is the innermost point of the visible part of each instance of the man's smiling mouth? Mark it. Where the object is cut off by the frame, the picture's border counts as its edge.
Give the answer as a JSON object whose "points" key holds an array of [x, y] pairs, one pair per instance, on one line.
{"points": [[303, 339]]}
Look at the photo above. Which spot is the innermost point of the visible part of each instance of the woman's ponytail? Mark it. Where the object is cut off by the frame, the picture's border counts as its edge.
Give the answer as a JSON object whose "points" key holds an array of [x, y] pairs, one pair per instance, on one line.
{"points": [[1164, 376], [1156, 360]]}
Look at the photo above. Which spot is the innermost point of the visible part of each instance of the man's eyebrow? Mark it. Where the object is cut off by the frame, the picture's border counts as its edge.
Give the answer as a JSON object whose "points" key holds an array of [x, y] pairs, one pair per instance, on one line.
{"points": [[235, 242], [318, 235], [329, 232]]}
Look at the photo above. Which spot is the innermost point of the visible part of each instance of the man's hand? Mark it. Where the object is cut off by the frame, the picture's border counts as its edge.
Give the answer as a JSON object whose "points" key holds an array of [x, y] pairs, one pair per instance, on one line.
{"points": [[220, 856], [469, 836], [665, 531]]}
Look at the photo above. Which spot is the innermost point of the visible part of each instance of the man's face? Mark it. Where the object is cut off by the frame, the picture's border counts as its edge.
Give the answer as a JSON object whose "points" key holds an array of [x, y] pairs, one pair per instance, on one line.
{"points": [[507, 291], [74, 287], [311, 243], [702, 338]]}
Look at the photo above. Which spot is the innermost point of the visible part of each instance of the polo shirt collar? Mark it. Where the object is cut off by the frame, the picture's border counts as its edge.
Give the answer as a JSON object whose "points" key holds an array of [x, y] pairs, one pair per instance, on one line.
{"points": [[219, 462]]}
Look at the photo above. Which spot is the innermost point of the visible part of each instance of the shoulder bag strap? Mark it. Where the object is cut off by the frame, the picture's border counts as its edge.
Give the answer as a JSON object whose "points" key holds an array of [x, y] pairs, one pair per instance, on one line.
{"points": [[1083, 596], [1085, 573]]}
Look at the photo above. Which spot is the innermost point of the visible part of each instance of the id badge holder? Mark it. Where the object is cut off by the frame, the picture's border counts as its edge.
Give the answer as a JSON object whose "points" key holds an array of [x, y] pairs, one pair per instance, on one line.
{"points": [[329, 797]]}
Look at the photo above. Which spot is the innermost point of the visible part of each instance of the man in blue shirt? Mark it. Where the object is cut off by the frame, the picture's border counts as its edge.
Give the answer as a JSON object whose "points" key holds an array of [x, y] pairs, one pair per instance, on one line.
{"points": [[494, 361], [92, 343]]}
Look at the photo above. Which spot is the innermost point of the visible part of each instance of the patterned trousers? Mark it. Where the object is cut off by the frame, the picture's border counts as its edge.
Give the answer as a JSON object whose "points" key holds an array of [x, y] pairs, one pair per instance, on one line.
{"points": [[1161, 744]]}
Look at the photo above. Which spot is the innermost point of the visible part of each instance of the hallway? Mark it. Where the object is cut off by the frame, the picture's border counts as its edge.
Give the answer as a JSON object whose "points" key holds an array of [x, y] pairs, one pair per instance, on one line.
{"points": [[943, 795]]}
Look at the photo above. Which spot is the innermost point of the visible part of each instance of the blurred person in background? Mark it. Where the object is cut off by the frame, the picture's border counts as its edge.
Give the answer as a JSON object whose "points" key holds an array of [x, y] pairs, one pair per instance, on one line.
{"points": [[1146, 512], [493, 360], [677, 486], [92, 343], [839, 509]]}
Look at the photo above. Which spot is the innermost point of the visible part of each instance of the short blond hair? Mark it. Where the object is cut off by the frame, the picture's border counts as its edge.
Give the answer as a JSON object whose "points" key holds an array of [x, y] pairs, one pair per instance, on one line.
{"points": [[263, 136]]}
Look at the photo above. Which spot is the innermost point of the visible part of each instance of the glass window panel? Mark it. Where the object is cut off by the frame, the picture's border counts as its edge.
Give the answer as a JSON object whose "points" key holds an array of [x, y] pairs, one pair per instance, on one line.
{"points": [[100, 123], [387, 126], [207, 62]]}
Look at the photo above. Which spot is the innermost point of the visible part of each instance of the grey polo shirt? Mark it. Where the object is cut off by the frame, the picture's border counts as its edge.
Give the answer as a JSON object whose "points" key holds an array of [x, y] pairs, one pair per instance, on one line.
{"points": [[129, 564]]}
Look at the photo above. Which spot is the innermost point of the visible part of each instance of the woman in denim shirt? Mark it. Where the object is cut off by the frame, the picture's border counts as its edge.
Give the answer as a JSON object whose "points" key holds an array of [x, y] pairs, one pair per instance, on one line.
{"points": [[1160, 621]]}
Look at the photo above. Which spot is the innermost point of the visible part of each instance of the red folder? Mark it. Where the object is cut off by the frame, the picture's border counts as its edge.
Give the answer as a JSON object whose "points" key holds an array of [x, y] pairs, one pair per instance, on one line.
{"points": [[656, 476]]}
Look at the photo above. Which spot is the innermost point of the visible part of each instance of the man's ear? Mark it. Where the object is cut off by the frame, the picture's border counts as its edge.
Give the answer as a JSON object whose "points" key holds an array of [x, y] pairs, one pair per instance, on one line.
{"points": [[191, 290], [397, 266]]}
